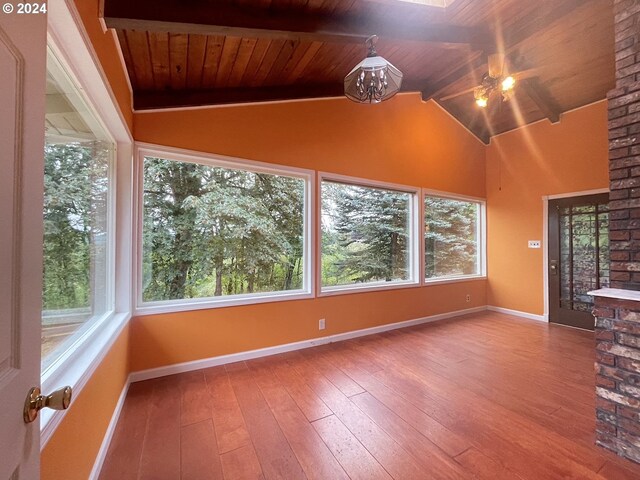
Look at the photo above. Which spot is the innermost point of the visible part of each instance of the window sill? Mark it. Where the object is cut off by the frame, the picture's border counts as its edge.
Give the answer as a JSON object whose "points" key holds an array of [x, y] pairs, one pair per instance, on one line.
{"points": [[376, 287], [446, 280], [171, 306], [76, 366]]}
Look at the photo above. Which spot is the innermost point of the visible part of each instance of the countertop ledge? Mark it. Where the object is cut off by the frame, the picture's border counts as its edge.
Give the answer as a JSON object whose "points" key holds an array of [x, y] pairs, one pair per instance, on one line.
{"points": [[618, 293]]}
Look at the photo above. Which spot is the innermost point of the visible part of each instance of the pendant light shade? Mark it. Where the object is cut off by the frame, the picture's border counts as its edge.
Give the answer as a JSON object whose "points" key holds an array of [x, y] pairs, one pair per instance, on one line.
{"points": [[374, 79]]}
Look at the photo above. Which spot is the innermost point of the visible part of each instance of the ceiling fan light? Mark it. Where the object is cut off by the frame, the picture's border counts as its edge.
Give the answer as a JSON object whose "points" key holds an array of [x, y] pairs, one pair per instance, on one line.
{"points": [[481, 96], [508, 83]]}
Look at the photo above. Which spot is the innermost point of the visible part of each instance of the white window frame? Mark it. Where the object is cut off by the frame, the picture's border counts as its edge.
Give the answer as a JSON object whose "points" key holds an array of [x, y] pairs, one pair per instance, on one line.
{"points": [[414, 237], [68, 40], [481, 238], [87, 328], [181, 155]]}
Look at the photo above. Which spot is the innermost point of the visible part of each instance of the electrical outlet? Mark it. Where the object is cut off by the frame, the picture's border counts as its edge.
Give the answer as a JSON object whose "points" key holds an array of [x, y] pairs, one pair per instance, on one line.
{"points": [[534, 243], [468, 297], [321, 324]]}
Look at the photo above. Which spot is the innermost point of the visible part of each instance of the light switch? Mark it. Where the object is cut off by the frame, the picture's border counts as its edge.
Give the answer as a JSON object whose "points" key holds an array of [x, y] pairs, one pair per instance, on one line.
{"points": [[534, 243]]}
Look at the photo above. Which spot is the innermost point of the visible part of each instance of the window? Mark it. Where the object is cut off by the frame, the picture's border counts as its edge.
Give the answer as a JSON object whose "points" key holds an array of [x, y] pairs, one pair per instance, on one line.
{"points": [[453, 237], [367, 236], [78, 240], [220, 230]]}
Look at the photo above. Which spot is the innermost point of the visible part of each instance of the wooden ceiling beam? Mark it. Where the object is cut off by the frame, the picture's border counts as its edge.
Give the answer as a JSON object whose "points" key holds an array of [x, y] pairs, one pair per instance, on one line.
{"points": [[153, 100], [204, 18], [542, 98], [158, 99]]}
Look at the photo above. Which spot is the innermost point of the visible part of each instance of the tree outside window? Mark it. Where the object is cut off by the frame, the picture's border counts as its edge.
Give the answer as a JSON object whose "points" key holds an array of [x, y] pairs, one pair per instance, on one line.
{"points": [[212, 232], [451, 237], [365, 235]]}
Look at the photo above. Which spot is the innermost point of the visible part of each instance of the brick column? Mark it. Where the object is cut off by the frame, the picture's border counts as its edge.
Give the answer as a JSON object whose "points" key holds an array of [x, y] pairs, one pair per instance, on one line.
{"points": [[624, 149], [618, 374], [618, 309]]}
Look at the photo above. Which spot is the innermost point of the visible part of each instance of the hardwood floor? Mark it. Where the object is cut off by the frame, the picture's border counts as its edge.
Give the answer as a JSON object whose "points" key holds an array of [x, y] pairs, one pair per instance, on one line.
{"points": [[486, 396]]}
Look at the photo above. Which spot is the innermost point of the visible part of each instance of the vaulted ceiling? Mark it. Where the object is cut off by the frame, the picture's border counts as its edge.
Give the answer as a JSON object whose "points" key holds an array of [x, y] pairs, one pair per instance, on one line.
{"points": [[213, 52]]}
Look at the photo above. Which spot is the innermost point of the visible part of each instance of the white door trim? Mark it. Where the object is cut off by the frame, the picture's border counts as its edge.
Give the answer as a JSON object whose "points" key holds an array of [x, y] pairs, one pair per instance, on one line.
{"points": [[22, 56]]}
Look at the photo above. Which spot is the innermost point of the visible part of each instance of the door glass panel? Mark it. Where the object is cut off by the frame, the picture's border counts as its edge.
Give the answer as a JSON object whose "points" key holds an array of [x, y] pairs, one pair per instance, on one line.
{"points": [[77, 195], [565, 259], [583, 209], [584, 257], [584, 254]]}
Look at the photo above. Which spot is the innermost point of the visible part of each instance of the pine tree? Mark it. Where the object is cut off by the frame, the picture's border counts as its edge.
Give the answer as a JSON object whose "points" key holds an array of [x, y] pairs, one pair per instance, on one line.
{"points": [[365, 234], [220, 231], [450, 237], [76, 186]]}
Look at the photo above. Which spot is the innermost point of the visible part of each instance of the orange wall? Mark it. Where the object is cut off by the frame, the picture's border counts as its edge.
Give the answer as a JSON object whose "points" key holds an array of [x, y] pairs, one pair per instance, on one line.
{"points": [[107, 51], [402, 141], [71, 452], [522, 167]]}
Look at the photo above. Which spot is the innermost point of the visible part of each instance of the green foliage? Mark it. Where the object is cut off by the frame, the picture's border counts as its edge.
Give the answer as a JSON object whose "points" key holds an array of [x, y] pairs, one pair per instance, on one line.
{"points": [[364, 234], [450, 237], [75, 202], [212, 231]]}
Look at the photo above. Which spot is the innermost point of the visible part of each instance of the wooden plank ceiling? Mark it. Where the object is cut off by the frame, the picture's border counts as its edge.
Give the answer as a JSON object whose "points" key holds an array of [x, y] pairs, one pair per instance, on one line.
{"points": [[213, 52]]}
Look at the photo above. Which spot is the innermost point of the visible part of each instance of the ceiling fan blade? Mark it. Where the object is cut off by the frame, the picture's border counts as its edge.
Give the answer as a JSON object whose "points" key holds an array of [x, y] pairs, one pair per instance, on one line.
{"points": [[496, 60], [496, 65], [524, 74], [458, 94]]}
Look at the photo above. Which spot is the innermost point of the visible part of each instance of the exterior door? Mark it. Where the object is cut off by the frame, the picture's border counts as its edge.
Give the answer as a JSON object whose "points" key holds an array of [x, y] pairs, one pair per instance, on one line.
{"points": [[23, 39], [578, 257]]}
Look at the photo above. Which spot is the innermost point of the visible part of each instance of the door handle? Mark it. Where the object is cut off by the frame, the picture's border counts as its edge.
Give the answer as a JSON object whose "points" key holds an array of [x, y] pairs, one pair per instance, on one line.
{"points": [[553, 267], [58, 400]]}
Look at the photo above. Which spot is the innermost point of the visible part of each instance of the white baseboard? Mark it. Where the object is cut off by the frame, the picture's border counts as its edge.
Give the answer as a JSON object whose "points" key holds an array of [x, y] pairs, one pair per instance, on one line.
{"points": [[264, 352], [518, 313], [106, 441]]}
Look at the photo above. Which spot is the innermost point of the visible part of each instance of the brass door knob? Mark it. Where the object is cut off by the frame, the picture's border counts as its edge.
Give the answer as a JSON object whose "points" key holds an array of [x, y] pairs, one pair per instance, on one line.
{"points": [[58, 400]]}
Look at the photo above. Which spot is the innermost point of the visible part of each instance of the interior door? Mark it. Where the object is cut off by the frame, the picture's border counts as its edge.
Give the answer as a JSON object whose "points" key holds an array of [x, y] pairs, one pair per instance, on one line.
{"points": [[22, 104], [578, 257]]}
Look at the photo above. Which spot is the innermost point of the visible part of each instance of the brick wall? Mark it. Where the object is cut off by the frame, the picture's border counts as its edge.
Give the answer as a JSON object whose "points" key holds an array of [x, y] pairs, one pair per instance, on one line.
{"points": [[618, 320], [624, 149], [618, 376]]}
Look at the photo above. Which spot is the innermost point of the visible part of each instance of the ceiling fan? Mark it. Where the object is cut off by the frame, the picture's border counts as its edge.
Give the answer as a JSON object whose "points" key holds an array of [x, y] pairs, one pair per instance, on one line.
{"points": [[496, 84]]}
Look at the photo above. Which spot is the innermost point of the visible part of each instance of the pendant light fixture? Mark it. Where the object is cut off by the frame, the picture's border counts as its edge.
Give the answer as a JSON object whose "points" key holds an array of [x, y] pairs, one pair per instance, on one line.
{"points": [[373, 80]]}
